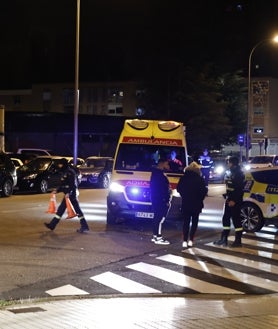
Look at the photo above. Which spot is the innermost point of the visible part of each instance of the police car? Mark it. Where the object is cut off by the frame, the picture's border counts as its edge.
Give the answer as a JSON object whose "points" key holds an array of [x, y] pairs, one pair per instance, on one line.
{"points": [[260, 200]]}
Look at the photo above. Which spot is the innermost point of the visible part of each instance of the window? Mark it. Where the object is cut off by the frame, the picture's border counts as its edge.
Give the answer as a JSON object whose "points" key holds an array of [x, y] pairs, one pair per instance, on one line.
{"points": [[258, 130], [68, 95], [115, 110]]}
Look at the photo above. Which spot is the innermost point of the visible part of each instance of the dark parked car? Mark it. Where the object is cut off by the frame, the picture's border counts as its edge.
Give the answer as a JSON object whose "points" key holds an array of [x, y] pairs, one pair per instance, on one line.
{"points": [[96, 171], [39, 175], [262, 161], [8, 175], [24, 157]]}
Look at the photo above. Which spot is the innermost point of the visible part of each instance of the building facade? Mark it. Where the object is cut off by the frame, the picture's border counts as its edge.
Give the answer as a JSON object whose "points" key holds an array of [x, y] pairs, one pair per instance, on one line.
{"points": [[111, 98], [42, 117], [264, 116]]}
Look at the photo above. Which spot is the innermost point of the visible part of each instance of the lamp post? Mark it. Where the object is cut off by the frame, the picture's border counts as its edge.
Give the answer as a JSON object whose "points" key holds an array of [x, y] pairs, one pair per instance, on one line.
{"points": [[249, 108], [76, 87]]}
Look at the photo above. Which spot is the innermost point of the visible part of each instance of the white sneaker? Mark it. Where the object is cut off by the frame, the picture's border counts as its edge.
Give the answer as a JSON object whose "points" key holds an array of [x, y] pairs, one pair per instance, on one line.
{"points": [[184, 244], [159, 240], [190, 243]]}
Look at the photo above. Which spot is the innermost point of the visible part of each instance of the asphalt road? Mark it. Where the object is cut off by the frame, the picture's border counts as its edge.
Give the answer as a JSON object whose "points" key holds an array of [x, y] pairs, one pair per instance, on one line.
{"points": [[30, 253], [35, 260]]}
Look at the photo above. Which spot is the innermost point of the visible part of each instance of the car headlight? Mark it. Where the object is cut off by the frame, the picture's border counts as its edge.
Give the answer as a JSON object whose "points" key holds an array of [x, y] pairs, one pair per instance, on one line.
{"points": [[32, 176], [247, 167], [116, 187], [219, 170]]}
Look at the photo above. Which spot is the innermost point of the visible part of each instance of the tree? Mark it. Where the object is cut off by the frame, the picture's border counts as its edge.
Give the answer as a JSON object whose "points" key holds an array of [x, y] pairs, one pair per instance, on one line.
{"points": [[212, 106]]}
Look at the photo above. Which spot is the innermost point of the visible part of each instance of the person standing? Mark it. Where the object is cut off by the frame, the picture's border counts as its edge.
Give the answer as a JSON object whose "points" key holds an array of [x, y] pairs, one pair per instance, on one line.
{"points": [[206, 163], [69, 187], [193, 190], [233, 196], [160, 197]]}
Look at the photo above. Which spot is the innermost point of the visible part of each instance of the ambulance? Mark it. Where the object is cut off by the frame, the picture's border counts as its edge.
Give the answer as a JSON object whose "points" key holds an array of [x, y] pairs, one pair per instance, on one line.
{"points": [[141, 144], [260, 199]]}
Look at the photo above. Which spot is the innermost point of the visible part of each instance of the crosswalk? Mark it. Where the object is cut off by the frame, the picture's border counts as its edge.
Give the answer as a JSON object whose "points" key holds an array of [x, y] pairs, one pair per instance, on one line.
{"points": [[204, 269]]}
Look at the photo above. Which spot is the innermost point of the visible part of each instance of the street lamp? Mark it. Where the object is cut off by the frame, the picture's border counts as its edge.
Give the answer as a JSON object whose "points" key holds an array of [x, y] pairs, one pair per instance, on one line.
{"points": [[249, 110]]}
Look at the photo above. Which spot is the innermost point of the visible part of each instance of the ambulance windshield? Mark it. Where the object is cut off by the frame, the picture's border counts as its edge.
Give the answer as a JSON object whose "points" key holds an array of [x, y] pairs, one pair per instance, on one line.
{"points": [[138, 157]]}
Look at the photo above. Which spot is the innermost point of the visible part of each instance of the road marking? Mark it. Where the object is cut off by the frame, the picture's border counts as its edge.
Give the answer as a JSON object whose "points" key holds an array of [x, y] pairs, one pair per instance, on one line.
{"points": [[260, 244], [67, 290], [122, 284], [181, 279], [221, 271], [239, 260]]}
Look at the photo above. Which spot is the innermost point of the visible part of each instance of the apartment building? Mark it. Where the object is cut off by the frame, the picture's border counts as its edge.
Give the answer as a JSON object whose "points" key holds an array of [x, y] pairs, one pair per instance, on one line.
{"points": [[263, 116], [99, 98], [42, 116]]}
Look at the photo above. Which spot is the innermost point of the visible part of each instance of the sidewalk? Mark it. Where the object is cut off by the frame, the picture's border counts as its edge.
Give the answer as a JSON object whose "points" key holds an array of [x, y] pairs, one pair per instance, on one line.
{"points": [[169, 312]]}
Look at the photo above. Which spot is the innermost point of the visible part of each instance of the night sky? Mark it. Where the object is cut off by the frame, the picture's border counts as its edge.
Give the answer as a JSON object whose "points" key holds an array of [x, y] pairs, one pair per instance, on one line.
{"points": [[130, 39]]}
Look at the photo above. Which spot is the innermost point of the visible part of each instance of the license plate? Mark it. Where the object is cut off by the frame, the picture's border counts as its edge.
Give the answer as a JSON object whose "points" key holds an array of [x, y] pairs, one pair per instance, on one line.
{"points": [[144, 214]]}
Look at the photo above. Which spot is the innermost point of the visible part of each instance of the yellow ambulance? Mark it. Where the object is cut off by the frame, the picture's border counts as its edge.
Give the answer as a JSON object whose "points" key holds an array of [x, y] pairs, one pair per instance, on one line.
{"points": [[260, 199], [141, 144]]}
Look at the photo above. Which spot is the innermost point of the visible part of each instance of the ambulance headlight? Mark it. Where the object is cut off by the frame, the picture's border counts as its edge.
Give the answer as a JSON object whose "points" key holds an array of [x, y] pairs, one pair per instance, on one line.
{"points": [[116, 187], [135, 191]]}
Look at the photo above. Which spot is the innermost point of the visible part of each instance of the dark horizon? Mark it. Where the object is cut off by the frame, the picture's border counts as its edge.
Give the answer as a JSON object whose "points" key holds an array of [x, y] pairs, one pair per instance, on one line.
{"points": [[129, 40]]}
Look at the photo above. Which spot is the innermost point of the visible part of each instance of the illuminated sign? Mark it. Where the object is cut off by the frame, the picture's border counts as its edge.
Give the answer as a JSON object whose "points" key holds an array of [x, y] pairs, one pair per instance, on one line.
{"points": [[152, 141]]}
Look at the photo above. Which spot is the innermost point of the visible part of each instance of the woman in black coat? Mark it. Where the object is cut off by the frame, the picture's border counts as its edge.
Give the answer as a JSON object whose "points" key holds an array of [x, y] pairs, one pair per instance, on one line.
{"points": [[193, 190]]}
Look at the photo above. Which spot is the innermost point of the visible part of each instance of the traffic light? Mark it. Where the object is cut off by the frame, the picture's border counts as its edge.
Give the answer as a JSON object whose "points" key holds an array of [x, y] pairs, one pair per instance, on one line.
{"points": [[240, 139]]}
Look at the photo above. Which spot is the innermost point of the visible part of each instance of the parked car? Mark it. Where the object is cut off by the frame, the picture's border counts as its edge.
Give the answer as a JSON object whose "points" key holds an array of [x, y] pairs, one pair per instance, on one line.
{"points": [[33, 151], [262, 161], [8, 175], [96, 171], [39, 175], [260, 201], [79, 161], [24, 157]]}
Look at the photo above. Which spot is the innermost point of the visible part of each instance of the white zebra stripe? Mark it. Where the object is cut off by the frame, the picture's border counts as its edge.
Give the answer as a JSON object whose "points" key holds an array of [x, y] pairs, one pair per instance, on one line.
{"points": [[122, 284], [181, 279], [221, 271], [239, 260], [259, 244]]}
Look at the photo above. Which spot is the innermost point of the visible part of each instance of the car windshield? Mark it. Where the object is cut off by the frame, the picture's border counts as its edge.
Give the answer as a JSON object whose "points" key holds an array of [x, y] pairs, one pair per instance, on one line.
{"points": [[262, 159], [95, 163], [137, 157], [37, 165]]}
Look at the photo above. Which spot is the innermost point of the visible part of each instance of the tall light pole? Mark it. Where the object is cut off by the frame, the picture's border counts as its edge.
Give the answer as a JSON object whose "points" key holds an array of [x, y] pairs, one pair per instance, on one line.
{"points": [[76, 87], [249, 108]]}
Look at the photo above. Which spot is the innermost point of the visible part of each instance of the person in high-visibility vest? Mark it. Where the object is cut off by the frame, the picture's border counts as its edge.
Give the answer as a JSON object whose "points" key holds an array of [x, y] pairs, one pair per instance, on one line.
{"points": [[206, 164], [68, 186]]}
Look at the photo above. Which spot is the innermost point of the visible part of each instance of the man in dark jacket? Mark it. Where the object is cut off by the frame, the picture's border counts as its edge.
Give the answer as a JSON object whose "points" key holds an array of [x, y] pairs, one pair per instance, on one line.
{"points": [[233, 196], [160, 197], [193, 190], [69, 187]]}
